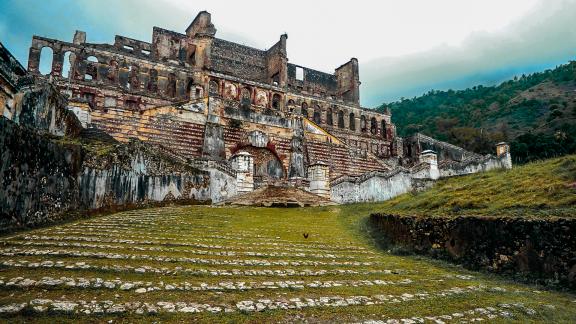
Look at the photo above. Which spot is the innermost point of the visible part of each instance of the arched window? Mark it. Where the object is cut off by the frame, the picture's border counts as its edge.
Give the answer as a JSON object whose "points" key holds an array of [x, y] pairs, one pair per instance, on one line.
{"points": [[276, 99], [352, 122], [317, 115], [153, 83], [329, 116], [363, 123], [383, 128], [305, 109], [91, 68], [46, 57], [192, 58], [341, 119], [373, 126], [66, 65], [245, 97], [290, 105], [214, 88], [190, 89], [171, 85]]}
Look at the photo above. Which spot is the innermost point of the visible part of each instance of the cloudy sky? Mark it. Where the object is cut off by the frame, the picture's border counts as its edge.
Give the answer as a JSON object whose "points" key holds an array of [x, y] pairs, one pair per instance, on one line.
{"points": [[405, 47]]}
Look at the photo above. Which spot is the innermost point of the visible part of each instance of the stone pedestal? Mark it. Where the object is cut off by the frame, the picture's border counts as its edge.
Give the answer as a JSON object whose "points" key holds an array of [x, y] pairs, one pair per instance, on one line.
{"points": [[243, 164], [429, 157], [319, 177], [503, 152]]}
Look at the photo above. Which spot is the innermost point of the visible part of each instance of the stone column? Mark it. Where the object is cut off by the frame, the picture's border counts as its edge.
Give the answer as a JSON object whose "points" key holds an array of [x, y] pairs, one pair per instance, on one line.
{"points": [[243, 164], [319, 177], [429, 157], [503, 153]]}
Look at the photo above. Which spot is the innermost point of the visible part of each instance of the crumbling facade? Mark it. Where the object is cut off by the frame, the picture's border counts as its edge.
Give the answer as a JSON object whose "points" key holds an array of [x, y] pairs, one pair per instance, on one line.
{"points": [[208, 99]]}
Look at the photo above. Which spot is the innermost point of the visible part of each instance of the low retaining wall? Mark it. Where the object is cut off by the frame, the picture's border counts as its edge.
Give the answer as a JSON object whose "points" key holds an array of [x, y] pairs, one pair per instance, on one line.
{"points": [[538, 250]]}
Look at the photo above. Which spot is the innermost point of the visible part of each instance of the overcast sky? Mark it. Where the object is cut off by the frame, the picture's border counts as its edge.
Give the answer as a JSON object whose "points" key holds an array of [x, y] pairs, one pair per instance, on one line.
{"points": [[405, 47]]}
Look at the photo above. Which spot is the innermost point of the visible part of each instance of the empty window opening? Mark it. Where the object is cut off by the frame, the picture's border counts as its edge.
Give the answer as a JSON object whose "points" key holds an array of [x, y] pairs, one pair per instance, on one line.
{"points": [[192, 58], [329, 117], [153, 83], [89, 97], [245, 97], [214, 89], [317, 116], [171, 86], [91, 68], [341, 119], [276, 79], [383, 128], [299, 73], [305, 109], [373, 126], [131, 104], [128, 48], [128, 83], [276, 101], [146, 52], [352, 122], [198, 93], [66, 65], [363, 123], [189, 87], [46, 57]]}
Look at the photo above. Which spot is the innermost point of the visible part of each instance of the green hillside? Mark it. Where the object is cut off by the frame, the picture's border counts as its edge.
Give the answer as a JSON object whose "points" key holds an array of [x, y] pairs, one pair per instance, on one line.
{"points": [[535, 113], [538, 189]]}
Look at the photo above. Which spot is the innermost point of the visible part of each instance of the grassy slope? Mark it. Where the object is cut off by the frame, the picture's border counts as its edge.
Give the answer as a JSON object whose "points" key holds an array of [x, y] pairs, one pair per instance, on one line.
{"points": [[546, 188], [340, 227]]}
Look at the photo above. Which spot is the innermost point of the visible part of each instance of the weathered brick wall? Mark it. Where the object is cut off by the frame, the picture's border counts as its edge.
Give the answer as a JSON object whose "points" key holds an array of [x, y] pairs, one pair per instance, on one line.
{"points": [[162, 127], [238, 60], [341, 159]]}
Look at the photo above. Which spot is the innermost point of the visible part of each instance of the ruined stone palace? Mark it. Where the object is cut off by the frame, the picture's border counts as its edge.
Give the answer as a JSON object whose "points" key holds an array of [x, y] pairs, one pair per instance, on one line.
{"points": [[244, 112]]}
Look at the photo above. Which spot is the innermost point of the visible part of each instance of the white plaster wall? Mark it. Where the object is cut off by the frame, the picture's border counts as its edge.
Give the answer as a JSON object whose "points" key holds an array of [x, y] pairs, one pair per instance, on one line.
{"points": [[376, 188], [487, 165], [222, 185]]}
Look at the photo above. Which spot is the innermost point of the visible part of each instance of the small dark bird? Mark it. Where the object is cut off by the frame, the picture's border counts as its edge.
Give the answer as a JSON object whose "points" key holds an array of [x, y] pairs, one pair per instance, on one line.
{"points": [[305, 235]]}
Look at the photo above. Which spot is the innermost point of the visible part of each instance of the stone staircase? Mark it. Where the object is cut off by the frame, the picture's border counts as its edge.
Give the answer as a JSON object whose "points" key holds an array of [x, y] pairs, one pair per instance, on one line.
{"points": [[97, 135]]}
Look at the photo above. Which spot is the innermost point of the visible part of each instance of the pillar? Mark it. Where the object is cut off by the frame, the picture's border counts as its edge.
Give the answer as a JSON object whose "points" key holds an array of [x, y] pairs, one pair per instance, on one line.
{"points": [[243, 164], [503, 153], [319, 177], [429, 157]]}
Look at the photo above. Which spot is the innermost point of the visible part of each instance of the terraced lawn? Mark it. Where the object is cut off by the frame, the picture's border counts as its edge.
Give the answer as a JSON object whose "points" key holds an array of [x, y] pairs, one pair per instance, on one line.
{"points": [[208, 264]]}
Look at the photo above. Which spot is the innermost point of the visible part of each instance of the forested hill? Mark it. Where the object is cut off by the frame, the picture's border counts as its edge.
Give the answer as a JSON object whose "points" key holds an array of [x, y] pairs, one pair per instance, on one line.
{"points": [[535, 113]]}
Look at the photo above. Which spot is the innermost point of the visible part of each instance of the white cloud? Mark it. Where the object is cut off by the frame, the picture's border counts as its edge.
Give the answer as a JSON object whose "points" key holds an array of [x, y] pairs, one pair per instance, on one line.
{"points": [[404, 46], [543, 37]]}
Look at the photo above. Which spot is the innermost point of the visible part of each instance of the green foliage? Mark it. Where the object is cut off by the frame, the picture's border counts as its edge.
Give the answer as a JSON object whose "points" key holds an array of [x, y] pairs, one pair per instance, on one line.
{"points": [[527, 111]]}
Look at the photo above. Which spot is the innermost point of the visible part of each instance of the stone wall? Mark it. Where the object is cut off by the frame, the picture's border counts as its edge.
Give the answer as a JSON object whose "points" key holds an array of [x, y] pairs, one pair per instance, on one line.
{"points": [[487, 163], [43, 179], [40, 106], [543, 250], [371, 187]]}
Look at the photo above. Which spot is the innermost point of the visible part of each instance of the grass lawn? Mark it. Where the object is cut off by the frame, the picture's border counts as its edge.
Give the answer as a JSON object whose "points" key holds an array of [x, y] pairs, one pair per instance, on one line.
{"points": [[210, 264]]}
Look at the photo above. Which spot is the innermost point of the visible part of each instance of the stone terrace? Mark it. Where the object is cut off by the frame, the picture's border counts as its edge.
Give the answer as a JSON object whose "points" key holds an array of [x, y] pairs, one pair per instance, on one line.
{"points": [[245, 264]]}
